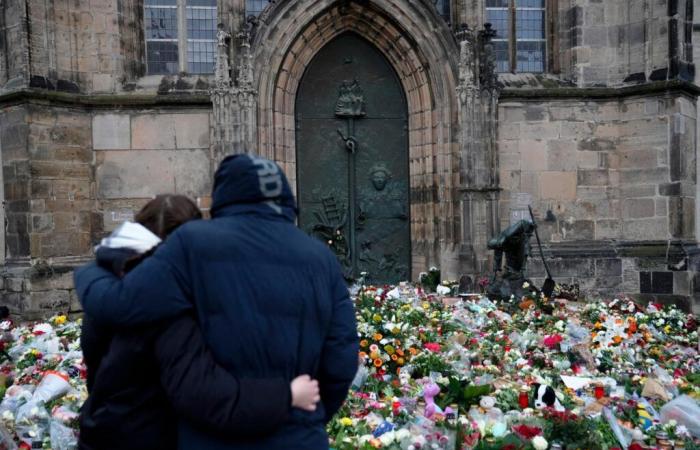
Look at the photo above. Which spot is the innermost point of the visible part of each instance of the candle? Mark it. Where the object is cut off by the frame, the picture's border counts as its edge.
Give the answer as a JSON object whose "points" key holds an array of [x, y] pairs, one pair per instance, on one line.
{"points": [[599, 392], [524, 398]]}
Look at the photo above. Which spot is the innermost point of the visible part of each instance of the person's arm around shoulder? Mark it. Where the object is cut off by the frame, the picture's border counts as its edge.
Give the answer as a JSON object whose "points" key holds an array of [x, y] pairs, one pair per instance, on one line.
{"points": [[207, 395], [156, 289], [339, 355]]}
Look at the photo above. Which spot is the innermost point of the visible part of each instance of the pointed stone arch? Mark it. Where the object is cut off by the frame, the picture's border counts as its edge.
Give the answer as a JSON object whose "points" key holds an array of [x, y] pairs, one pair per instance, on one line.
{"points": [[424, 53]]}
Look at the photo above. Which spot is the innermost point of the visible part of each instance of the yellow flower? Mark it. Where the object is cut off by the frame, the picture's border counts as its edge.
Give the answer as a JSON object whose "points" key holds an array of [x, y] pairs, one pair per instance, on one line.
{"points": [[667, 329], [426, 305], [35, 352], [377, 318], [346, 421], [389, 349], [60, 320]]}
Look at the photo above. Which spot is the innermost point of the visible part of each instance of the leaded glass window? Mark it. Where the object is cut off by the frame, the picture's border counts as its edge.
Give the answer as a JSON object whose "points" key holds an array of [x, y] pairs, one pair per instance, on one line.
{"points": [[521, 40], [180, 36], [160, 18], [201, 35], [255, 7]]}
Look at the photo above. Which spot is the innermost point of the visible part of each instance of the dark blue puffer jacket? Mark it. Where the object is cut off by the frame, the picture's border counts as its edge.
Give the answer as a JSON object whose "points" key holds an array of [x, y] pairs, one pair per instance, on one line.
{"points": [[271, 300]]}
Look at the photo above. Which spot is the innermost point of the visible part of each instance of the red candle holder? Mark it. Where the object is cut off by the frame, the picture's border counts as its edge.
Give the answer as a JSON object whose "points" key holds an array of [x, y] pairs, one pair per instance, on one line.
{"points": [[524, 399], [599, 392]]}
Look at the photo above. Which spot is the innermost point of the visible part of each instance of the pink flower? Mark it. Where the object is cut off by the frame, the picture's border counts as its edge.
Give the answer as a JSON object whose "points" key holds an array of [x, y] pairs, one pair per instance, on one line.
{"points": [[552, 341], [432, 346]]}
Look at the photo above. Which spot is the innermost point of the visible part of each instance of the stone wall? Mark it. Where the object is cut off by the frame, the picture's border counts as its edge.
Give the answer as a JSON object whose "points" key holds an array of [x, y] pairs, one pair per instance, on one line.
{"points": [[621, 41], [141, 154], [609, 177], [71, 175]]}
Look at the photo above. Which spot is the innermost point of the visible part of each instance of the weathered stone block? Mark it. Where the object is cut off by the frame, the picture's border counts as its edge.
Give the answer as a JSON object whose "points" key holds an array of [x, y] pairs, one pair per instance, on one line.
{"points": [[152, 131], [645, 229], [593, 177], [608, 229], [121, 174], [609, 267], [111, 132], [533, 155], [557, 185], [561, 156], [48, 301], [191, 130], [638, 208]]}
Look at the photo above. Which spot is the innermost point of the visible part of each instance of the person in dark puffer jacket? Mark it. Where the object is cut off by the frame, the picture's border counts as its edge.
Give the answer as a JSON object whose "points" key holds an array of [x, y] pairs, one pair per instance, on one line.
{"points": [[271, 300], [139, 378]]}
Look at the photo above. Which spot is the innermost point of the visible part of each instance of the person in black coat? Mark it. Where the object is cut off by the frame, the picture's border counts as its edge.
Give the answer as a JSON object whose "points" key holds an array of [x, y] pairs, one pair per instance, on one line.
{"points": [[141, 380], [271, 300]]}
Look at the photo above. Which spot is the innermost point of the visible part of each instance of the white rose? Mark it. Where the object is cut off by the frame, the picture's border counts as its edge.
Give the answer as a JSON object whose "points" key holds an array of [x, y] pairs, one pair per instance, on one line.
{"points": [[540, 443], [402, 434], [387, 438]]}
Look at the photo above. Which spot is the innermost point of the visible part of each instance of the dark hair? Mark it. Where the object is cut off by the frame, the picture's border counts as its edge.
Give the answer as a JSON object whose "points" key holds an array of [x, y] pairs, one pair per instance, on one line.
{"points": [[165, 213]]}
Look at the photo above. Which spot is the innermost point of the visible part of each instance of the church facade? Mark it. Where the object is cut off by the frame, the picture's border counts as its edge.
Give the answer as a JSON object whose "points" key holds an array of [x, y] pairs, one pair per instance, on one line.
{"points": [[412, 131]]}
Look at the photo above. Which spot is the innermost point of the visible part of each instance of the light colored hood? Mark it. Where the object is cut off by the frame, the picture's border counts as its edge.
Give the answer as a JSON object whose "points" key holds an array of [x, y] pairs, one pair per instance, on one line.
{"points": [[131, 236]]}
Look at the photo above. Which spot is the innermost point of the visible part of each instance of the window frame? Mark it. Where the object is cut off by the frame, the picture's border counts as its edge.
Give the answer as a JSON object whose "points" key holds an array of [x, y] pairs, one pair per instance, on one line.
{"points": [[549, 36], [182, 40]]}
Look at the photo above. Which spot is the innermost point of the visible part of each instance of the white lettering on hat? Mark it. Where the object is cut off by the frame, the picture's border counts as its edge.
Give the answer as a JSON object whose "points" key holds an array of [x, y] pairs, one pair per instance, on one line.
{"points": [[269, 176]]}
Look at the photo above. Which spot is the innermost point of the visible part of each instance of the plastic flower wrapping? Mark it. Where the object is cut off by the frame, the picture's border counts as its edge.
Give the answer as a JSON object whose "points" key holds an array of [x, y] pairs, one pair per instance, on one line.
{"points": [[42, 382], [442, 372]]}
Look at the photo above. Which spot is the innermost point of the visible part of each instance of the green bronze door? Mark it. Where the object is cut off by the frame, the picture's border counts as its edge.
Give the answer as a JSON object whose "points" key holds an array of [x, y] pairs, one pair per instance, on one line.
{"points": [[352, 159]]}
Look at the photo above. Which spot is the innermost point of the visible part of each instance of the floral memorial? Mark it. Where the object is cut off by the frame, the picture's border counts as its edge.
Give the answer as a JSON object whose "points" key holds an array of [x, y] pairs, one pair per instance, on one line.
{"points": [[442, 372]]}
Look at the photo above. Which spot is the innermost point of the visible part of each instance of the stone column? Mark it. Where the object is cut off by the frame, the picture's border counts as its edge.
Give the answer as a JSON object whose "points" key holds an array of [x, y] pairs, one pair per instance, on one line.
{"points": [[234, 104], [478, 105]]}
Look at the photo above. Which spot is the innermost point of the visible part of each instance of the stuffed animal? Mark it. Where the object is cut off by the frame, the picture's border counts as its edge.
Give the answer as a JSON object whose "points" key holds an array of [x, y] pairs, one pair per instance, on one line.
{"points": [[430, 391], [545, 397]]}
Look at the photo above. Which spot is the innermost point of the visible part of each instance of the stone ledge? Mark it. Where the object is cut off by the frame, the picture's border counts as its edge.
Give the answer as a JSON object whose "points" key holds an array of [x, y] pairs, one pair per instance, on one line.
{"points": [[660, 87], [107, 101]]}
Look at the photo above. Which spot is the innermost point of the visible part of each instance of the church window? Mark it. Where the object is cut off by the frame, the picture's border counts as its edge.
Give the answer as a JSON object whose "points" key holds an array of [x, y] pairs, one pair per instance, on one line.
{"points": [[201, 35], [255, 7], [521, 39], [180, 36]]}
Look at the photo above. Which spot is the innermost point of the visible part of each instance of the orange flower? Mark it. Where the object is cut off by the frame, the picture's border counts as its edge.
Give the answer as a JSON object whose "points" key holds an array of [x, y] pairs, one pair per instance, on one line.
{"points": [[617, 339], [364, 343], [377, 337], [394, 357], [412, 351], [399, 352], [378, 362], [363, 355]]}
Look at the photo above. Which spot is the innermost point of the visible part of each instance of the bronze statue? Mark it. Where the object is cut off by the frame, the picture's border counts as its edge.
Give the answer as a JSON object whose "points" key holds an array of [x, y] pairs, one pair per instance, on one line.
{"points": [[514, 242]]}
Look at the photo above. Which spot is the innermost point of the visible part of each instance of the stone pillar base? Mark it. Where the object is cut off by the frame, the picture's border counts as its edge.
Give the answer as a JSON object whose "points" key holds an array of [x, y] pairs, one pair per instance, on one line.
{"points": [[41, 290]]}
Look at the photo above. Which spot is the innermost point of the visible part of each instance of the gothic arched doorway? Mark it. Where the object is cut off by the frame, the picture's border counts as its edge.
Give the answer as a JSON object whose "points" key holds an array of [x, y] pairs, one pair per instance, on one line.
{"points": [[352, 158]]}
